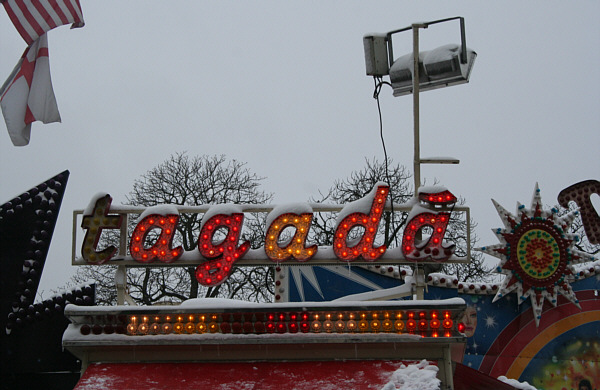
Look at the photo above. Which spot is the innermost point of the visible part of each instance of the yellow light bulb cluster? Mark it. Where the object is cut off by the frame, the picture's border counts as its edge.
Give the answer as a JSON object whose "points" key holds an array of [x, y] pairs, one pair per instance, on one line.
{"points": [[426, 323], [296, 247]]}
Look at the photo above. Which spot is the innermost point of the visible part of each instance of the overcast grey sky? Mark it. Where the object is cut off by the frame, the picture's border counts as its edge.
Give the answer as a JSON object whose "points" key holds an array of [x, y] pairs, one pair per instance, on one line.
{"points": [[282, 86]]}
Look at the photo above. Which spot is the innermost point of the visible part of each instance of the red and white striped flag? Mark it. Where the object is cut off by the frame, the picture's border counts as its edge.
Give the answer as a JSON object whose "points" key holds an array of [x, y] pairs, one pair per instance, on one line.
{"points": [[27, 96], [33, 18]]}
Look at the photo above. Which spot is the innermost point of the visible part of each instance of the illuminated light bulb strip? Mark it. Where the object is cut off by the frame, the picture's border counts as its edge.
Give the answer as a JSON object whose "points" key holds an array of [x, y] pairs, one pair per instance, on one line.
{"points": [[370, 222], [423, 323], [438, 198], [223, 255], [433, 248], [162, 248], [296, 247], [94, 224]]}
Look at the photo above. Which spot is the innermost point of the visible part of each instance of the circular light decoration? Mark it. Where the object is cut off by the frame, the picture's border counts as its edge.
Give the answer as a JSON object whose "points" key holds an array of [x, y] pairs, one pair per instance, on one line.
{"points": [[536, 254]]}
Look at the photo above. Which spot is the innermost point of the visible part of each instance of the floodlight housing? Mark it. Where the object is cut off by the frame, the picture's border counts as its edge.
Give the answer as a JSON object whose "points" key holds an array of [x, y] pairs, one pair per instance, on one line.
{"points": [[445, 66], [438, 68], [376, 54]]}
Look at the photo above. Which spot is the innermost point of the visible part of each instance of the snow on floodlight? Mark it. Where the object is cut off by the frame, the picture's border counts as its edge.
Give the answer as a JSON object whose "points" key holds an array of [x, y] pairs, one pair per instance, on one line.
{"points": [[438, 68]]}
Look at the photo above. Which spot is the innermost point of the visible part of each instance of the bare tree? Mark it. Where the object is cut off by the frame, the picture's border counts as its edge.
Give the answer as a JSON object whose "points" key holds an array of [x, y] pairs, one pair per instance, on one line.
{"points": [[103, 277], [356, 186], [185, 180], [582, 243], [477, 270]]}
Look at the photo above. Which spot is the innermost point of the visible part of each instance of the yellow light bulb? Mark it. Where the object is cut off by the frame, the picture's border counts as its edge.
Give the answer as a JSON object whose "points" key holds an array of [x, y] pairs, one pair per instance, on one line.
{"points": [[167, 328], [155, 328], [363, 325], [387, 325], [131, 329], [143, 328], [351, 325], [399, 326], [190, 327], [315, 326], [375, 325], [178, 328]]}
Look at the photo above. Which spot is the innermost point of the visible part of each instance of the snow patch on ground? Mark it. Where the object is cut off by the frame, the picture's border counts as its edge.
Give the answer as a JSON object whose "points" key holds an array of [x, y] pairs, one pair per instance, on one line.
{"points": [[420, 376]]}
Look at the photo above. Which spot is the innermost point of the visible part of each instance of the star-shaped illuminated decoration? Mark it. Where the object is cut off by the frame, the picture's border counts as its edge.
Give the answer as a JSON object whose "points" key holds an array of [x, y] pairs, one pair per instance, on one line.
{"points": [[536, 254]]}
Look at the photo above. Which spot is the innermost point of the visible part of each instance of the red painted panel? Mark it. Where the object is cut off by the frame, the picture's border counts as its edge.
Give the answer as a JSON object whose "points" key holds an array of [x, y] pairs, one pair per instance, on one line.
{"points": [[263, 375], [466, 378]]}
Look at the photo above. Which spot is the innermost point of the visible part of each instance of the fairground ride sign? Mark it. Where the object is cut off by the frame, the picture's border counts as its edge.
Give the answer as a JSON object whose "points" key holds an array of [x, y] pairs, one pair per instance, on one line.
{"points": [[220, 247]]}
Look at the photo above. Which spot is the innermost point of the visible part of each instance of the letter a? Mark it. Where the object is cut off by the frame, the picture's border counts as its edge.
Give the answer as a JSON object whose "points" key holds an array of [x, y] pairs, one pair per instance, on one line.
{"points": [[296, 246], [161, 249], [432, 249]]}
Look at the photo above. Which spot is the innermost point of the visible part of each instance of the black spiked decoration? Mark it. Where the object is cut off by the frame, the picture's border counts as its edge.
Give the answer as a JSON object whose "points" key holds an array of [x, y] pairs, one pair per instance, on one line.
{"points": [[31, 333]]}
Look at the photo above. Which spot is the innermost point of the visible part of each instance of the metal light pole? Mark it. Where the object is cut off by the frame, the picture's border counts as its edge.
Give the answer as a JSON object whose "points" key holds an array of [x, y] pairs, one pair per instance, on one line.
{"points": [[449, 65], [419, 273], [417, 147]]}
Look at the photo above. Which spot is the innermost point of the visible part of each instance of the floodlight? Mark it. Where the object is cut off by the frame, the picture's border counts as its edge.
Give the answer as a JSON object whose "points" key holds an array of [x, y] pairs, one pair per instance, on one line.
{"points": [[414, 72], [444, 66], [438, 68]]}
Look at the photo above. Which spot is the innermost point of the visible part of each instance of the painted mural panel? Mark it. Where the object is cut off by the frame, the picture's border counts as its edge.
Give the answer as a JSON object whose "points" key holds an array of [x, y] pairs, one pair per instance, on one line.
{"points": [[503, 339], [502, 336]]}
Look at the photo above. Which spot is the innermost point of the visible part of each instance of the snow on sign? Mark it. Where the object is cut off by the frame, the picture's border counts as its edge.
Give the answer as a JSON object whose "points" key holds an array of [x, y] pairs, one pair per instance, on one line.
{"points": [[222, 240]]}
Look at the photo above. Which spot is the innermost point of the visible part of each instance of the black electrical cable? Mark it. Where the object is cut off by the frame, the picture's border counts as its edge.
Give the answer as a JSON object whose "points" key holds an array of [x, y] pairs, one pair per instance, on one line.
{"points": [[378, 85]]}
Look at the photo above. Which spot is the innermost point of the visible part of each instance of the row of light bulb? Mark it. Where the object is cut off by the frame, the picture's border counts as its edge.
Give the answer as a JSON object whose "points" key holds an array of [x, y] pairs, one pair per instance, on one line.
{"points": [[327, 322]]}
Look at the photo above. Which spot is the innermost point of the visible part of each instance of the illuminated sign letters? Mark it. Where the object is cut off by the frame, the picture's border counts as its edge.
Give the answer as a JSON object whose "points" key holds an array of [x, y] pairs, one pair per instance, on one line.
{"points": [[220, 247]]}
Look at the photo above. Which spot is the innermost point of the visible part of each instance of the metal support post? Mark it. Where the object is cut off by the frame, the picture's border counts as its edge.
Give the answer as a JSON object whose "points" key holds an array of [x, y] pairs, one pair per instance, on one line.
{"points": [[417, 153], [419, 273]]}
